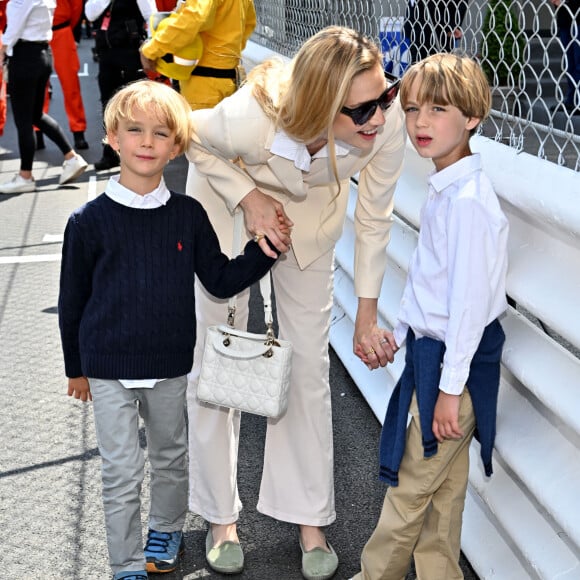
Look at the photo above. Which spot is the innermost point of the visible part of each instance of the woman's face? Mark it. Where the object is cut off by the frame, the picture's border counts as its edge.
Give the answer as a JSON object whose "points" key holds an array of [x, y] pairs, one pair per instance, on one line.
{"points": [[366, 86]]}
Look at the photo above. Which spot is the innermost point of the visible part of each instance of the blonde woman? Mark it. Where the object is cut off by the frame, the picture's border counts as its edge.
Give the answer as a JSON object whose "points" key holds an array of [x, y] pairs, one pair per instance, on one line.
{"points": [[297, 133]]}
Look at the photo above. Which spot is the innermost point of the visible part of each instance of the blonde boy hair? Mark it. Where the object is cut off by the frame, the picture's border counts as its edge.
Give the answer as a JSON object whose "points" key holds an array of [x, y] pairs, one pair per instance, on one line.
{"points": [[157, 100], [305, 97], [449, 79]]}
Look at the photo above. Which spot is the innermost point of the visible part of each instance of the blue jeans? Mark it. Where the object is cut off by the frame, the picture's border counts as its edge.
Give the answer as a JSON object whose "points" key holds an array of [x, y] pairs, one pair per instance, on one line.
{"points": [[571, 43]]}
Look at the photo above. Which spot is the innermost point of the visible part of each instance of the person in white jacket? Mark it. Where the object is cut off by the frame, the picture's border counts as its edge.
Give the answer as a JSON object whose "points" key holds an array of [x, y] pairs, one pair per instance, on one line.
{"points": [[299, 133]]}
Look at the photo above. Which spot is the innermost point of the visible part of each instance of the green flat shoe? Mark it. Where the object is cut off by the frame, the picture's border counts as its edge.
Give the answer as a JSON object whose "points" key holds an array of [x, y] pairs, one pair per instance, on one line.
{"points": [[227, 558], [318, 564]]}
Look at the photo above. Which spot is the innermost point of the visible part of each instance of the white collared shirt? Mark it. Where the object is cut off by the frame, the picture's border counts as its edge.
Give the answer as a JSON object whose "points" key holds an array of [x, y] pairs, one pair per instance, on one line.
{"points": [[456, 281], [94, 8], [152, 200], [284, 146], [29, 20]]}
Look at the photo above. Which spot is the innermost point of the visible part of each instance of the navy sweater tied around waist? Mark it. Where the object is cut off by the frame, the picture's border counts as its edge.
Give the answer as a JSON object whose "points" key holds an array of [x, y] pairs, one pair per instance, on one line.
{"points": [[422, 373]]}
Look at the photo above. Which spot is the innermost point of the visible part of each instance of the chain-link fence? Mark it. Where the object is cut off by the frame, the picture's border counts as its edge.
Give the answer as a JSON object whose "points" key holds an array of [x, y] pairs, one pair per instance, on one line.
{"points": [[530, 50]]}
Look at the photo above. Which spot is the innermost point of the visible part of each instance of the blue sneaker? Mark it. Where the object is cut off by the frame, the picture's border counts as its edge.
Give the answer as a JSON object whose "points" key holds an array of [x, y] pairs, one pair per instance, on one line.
{"points": [[139, 575], [162, 551]]}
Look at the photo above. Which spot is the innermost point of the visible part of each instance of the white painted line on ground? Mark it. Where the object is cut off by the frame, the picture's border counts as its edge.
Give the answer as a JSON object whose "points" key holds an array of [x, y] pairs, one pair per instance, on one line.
{"points": [[29, 259], [51, 238], [82, 73]]}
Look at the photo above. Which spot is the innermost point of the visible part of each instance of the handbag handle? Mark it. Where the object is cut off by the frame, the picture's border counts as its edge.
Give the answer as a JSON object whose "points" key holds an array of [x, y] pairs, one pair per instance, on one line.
{"points": [[262, 347], [265, 284]]}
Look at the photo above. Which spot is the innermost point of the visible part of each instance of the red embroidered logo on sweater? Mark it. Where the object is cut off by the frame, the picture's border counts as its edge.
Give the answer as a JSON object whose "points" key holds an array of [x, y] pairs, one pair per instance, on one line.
{"points": [[179, 246]]}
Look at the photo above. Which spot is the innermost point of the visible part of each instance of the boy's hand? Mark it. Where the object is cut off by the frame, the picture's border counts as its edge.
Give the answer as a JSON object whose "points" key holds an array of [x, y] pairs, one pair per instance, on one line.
{"points": [[265, 217], [446, 417], [79, 389]]}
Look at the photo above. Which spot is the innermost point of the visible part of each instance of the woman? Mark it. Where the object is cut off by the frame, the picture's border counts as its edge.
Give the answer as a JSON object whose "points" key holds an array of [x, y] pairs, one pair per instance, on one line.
{"points": [[299, 134], [26, 39]]}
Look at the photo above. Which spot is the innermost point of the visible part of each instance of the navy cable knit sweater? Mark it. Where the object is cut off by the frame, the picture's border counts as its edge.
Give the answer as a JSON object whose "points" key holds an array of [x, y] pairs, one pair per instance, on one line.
{"points": [[126, 305]]}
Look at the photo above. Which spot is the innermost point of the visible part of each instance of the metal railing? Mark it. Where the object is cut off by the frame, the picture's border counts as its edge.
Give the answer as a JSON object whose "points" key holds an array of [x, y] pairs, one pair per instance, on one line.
{"points": [[516, 41]]}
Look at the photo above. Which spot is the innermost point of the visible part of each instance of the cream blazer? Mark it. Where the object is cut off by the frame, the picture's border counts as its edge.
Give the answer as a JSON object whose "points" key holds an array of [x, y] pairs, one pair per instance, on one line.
{"points": [[237, 129]]}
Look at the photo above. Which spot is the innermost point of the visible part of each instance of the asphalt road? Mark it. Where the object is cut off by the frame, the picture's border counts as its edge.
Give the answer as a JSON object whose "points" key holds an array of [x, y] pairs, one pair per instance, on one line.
{"points": [[51, 519]]}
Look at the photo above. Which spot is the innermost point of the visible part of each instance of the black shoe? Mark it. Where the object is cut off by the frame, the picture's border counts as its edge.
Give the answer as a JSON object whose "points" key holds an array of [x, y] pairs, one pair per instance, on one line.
{"points": [[106, 162], [39, 140], [80, 141]]}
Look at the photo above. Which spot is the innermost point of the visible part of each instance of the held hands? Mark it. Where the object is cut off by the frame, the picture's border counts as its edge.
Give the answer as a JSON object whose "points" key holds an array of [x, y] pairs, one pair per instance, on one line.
{"points": [[376, 349], [265, 217], [373, 345], [79, 389], [446, 417]]}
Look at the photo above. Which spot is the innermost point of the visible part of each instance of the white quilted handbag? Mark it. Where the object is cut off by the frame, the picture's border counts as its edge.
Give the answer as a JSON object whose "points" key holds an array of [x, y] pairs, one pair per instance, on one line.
{"points": [[245, 371]]}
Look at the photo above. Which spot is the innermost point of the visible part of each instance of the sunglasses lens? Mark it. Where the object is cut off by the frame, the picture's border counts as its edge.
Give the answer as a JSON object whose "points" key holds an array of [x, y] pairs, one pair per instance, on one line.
{"points": [[362, 114], [389, 96]]}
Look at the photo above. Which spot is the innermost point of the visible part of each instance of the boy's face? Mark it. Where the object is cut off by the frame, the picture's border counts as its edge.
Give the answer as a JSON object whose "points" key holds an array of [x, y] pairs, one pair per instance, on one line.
{"points": [[440, 132], [145, 146]]}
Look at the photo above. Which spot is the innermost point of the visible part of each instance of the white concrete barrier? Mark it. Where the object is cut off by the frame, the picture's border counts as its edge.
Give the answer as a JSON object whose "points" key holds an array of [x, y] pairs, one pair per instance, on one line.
{"points": [[524, 522]]}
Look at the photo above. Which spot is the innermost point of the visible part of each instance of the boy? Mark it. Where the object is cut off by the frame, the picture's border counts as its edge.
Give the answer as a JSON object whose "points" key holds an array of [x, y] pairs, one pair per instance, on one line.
{"points": [[454, 294], [127, 320]]}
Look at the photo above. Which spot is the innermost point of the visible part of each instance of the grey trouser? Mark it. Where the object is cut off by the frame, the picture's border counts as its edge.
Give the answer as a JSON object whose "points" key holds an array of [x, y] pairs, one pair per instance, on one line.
{"points": [[117, 411]]}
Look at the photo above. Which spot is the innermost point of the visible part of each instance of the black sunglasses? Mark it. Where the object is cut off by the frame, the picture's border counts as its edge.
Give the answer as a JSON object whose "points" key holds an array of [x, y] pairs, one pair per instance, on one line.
{"points": [[361, 114]]}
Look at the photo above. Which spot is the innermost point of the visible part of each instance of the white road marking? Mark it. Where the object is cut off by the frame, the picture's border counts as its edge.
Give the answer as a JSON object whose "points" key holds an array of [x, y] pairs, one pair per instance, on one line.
{"points": [[52, 238], [29, 259], [82, 73]]}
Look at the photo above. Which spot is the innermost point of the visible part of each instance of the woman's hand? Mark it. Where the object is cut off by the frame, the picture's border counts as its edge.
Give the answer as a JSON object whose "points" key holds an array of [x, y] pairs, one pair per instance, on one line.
{"points": [[265, 216], [373, 345]]}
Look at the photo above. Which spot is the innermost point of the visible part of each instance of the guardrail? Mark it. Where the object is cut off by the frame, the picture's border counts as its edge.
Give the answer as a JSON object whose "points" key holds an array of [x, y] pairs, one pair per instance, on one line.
{"points": [[524, 522]]}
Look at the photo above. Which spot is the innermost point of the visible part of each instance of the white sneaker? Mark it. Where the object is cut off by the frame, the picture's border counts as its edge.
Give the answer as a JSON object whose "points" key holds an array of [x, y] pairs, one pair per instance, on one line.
{"points": [[18, 184], [72, 168]]}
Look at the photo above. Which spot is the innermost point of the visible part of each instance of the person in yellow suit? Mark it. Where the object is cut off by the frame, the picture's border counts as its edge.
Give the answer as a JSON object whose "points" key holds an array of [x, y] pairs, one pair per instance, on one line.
{"points": [[224, 27]]}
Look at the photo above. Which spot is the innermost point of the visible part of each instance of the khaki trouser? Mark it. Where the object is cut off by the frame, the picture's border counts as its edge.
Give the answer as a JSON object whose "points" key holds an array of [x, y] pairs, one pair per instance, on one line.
{"points": [[422, 515], [297, 480]]}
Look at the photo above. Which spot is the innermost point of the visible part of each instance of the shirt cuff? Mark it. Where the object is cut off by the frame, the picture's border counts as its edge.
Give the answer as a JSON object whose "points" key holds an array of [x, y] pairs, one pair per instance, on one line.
{"points": [[453, 380]]}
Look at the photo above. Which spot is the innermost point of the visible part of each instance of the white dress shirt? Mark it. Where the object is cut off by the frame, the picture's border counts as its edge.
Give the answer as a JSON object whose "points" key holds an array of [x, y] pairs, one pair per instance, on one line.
{"points": [[94, 8], [152, 200], [456, 281], [284, 146], [29, 20]]}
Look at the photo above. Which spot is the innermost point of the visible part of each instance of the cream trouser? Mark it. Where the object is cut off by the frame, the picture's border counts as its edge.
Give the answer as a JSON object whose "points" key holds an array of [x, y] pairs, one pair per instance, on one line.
{"points": [[422, 515], [297, 480]]}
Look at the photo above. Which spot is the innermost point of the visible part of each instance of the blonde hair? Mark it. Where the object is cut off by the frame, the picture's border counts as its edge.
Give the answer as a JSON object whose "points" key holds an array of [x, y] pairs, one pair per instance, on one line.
{"points": [[157, 100], [449, 79], [304, 98]]}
